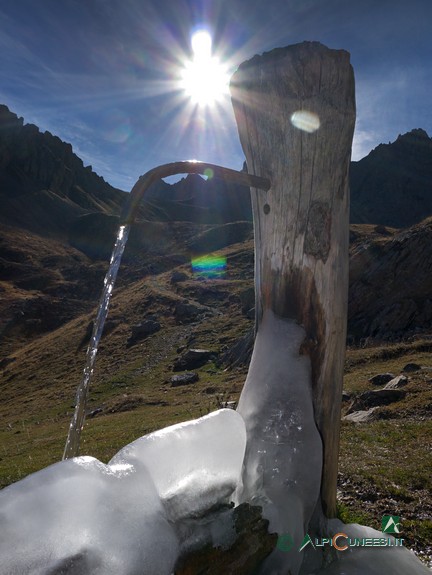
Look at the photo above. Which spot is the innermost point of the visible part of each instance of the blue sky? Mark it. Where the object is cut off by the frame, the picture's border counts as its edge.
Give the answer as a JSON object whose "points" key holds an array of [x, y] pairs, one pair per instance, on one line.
{"points": [[103, 74]]}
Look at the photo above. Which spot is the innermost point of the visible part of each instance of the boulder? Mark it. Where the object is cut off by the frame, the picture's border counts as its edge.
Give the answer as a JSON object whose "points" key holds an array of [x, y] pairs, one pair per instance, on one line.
{"points": [[362, 416], [187, 312], [397, 382], [412, 367], [376, 398], [178, 277], [184, 379], [142, 330], [247, 299], [192, 359], [381, 378]]}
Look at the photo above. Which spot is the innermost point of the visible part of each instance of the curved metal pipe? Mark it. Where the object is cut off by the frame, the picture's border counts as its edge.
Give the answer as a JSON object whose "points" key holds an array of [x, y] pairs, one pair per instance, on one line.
{"points": [[129, 212]]}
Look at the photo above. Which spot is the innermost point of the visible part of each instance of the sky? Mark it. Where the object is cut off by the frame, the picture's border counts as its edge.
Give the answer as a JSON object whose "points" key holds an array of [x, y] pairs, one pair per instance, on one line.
{"points": [[105, 75]]}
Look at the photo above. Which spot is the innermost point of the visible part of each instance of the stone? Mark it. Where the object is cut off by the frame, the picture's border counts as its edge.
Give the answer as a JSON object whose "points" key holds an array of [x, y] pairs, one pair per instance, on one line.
{"points": [[409, 367], [142, 330], [187, 312], [247, 299], [95, 412], [346, 396], [228, 405], [192, 359], [178, 277], [184, 379], [252, 544], [376, 398], [381, 378], [362, 416], [397, 382]]}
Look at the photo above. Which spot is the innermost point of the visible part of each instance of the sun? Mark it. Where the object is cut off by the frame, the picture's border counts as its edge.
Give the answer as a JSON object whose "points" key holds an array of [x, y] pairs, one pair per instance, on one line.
{"points": [[204, 79]]}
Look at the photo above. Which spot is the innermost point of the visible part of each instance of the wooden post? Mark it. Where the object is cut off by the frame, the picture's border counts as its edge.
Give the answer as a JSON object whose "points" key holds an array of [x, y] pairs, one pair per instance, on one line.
{"points": [[295, 111]]}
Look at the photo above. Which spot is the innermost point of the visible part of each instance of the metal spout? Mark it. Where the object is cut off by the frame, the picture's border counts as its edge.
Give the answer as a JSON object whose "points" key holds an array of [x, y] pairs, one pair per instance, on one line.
{"points": [[187, 167]]}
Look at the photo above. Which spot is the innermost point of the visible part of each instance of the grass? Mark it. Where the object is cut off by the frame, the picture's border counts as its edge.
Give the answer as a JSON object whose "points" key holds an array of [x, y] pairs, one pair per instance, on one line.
{"points": [[385, 465]]}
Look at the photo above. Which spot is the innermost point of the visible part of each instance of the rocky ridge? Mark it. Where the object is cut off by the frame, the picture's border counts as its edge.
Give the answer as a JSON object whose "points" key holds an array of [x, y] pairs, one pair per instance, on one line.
{"points": [[392, 185]]}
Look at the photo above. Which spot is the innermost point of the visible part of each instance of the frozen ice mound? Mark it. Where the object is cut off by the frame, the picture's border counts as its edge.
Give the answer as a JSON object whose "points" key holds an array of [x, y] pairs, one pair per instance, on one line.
{"points": [[81, 516], [195, 465]]}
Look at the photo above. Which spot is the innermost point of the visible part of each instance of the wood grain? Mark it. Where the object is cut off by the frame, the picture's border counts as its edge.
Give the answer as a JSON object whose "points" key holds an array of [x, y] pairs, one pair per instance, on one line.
{"points": [[301, 223]]}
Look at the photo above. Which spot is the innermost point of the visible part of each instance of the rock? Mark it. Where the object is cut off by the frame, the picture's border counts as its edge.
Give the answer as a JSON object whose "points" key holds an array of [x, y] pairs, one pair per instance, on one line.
{"points": [[228, 404], [243, 556], [143, 330], [240, 352], [184, 379], [95, 412], [346, 396], [411, 367], [187, 312], [247, 299], [192, 358], [381, 378], [397, 382], [178, 277], [362, 416], [376, 397]]}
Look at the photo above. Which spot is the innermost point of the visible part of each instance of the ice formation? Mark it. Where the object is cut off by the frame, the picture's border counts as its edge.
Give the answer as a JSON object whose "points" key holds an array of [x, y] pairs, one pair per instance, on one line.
{"points": [[282, 469], [81, 516], [194, 465], [135, 515]]}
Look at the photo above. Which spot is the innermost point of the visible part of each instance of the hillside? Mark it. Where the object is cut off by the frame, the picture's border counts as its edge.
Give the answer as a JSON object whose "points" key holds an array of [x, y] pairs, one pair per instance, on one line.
{"points": [[392, 185], [390, 282], [44, 186]]}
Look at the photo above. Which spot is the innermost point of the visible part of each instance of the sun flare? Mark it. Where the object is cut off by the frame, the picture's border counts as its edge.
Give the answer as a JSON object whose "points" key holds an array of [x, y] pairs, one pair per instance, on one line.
{"points": [[204, 79]]}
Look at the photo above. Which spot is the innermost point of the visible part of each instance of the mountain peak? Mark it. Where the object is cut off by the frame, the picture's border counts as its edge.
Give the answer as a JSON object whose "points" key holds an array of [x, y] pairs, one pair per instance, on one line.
{"points": [[392, 185], [8, 118], [416, 135]]}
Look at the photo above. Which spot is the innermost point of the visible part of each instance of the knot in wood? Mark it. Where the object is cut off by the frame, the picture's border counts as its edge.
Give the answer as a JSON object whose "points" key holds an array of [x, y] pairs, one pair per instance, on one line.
{"points": [[318, 231]]}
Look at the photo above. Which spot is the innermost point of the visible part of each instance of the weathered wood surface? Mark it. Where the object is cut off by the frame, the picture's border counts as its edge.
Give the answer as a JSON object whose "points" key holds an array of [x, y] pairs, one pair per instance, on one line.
{"points": [[301, 223]]}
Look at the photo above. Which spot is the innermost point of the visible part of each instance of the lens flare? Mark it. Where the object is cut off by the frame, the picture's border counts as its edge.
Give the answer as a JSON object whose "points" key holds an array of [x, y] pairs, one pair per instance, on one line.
{"points": [[306, 121], [209, 266]]}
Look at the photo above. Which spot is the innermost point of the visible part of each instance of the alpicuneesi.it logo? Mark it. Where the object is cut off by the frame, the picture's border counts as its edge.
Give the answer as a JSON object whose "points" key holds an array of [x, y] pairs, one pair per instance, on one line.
{"points": [[341, 541], [390, 524]]}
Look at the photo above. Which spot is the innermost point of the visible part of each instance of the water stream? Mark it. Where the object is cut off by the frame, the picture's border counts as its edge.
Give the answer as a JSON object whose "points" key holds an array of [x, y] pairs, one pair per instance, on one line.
{"points": [[127, 218], [77, 423]]}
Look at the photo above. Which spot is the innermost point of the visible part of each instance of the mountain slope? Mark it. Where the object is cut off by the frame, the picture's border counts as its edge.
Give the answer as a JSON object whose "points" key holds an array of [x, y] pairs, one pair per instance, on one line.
{"points": [[390, 282], [393, 184], [44, 186]]}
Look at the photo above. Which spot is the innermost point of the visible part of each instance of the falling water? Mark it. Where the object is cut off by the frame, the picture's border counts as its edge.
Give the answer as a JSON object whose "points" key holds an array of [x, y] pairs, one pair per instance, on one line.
{"points": [[77, 422], [128, 217]]}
